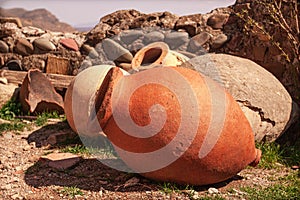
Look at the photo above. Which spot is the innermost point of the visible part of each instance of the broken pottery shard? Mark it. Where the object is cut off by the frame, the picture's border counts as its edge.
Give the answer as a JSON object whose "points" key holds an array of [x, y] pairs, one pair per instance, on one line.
{"points": [[37, 94], [61, 161], [69, 43]]}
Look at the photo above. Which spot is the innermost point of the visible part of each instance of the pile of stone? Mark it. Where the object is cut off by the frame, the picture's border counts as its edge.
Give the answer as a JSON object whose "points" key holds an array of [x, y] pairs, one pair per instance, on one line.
{"points": [[204, 29], [123, 47], [130, 30], [23, 48], [226, 30]]}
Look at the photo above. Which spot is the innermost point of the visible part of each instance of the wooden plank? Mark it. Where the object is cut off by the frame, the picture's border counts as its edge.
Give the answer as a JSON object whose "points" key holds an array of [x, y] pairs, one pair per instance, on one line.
{"points": [[57, 65], [17, 77]]}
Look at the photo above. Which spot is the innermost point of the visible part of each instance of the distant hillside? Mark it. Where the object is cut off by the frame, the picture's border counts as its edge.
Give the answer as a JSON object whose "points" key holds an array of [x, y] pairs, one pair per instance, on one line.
{"points": [[41, 18]]}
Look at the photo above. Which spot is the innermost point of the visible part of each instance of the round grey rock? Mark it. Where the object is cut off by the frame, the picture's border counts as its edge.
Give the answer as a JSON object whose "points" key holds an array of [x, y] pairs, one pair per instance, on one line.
{"points": [[23, 47], [219, 41], [85, 64], [116, 52], [44, 44], [197, 41], [129, 36], [265, 102], [154, 36], [176, 39], [3, 47], [92, 53]]}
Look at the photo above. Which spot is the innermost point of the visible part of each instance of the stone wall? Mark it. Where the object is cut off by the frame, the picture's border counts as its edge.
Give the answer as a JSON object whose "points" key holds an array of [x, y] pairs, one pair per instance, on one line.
{"points": [[23, 48]]}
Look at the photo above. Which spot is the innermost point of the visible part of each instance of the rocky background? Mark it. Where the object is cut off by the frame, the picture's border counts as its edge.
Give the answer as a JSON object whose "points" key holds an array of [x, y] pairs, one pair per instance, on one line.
{"points": [[266, 32], [40, 18]]}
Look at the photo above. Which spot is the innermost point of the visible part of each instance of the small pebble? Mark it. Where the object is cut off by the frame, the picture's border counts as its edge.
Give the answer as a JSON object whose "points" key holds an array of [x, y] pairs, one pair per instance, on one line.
{"points": [[8, 136], [195, 195], [213, 190], [19, 168]]}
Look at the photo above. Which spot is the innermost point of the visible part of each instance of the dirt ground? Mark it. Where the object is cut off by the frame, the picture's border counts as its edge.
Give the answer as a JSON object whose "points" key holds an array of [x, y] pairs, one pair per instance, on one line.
{"points": [[24, 176]]}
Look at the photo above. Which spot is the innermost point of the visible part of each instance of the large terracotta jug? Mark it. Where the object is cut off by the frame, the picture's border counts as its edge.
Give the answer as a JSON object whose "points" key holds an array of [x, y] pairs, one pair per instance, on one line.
{"points": [[174, 124]]}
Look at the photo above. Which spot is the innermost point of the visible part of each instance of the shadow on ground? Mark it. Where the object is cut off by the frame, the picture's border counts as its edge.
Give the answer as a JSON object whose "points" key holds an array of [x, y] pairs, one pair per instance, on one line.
{"points": [[90, 174], [41, 135]]}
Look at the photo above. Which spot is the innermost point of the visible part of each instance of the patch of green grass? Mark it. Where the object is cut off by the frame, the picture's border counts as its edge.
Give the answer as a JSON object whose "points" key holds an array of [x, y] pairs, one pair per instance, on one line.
{"points": [[13, 126], [71, 191], [13, 108], [287, 188], [271, 155], [274, 154], [291, 154], [10, 110], [43, 117], [169, 188], [77, 149]]}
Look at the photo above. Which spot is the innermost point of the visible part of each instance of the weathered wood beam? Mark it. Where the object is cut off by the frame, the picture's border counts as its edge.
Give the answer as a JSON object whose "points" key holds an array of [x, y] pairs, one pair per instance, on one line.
{"points": [[17, 77]]}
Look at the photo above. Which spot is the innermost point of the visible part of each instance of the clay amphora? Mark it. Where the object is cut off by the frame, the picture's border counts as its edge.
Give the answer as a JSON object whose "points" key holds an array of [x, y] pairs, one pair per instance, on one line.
{"points": [[174, 124]]}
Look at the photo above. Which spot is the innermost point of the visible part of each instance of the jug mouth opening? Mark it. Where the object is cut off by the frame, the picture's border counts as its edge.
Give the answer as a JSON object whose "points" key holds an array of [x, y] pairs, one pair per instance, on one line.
{"points": [[256, 161], [151, 56]]}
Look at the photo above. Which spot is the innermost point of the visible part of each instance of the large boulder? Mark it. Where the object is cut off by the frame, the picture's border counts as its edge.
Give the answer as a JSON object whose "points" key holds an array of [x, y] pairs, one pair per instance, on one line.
{"points": [[265, 102]]}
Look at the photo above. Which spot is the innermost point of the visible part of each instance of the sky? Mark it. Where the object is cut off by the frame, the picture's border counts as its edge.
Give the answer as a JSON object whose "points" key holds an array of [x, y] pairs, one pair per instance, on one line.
{"points": [[82, 13]]}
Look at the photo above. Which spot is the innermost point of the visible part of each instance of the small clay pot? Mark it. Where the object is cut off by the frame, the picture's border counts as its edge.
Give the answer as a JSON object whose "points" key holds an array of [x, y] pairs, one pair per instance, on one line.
{"points": [[174, 124], [80, 99], [157, 53]]}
